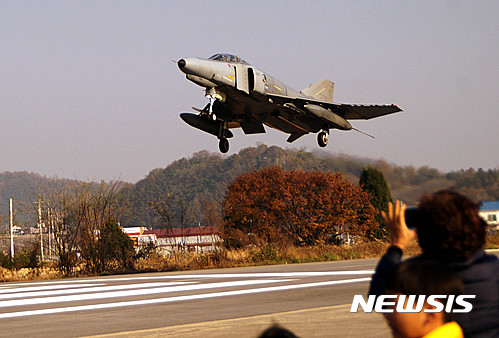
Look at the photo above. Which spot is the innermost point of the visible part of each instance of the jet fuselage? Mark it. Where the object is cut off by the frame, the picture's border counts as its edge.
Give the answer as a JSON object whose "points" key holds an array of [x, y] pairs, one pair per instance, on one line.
{"points": [[241, 95]]}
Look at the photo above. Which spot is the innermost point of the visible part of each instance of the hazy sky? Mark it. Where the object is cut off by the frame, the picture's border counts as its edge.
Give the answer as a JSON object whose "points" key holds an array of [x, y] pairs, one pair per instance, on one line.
{"points": [[88, 89]]}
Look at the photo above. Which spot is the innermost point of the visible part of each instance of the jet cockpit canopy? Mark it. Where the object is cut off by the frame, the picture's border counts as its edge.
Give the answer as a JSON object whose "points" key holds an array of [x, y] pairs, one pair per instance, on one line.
{"points": [[227, 58]]}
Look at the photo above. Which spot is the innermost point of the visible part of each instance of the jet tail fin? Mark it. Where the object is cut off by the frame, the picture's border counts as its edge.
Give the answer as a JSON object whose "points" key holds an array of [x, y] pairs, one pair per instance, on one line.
{"points": [[322, 90]]}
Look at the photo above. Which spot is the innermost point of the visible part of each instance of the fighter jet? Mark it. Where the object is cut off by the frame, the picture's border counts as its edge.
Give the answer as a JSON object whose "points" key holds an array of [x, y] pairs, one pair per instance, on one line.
{"points": [[243, 96]]}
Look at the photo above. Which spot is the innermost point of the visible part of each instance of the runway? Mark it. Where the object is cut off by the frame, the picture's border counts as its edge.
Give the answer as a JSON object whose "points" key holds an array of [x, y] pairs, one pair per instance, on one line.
{"points": [[215, 302]]}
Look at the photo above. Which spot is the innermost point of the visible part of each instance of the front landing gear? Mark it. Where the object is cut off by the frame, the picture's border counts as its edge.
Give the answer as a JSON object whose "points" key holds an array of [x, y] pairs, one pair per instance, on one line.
{"points": [[214, 94], [223, 145], [211, 114], [322, 138]]}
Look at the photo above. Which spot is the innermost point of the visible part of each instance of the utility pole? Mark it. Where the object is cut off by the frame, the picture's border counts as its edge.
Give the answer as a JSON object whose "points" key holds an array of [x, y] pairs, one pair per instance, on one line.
{"points": [[50, 233], [11, 232], [40, 226], [199, 238]]}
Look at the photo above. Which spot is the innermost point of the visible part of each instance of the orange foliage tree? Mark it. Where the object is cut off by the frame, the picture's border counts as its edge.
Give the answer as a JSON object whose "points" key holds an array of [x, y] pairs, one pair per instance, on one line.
{"points": [[306, 208]]}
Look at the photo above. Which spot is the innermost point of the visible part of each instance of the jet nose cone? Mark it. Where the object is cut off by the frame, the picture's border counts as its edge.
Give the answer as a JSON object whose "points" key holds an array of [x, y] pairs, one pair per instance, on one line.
{"points": [[194, 66]]}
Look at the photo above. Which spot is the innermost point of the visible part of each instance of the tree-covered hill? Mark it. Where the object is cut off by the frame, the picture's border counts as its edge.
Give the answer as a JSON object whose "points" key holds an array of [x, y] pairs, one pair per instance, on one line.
{"points": [[190, 184], [205, 177], [23, 187]]}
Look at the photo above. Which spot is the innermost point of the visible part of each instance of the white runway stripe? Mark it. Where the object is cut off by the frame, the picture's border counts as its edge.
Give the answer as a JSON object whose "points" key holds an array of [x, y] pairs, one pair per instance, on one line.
{"points": [[177, 298], [130, 293], [20, 293], [231, 275], [276, 274], [273, 274], [61, 281], [39, 288]]}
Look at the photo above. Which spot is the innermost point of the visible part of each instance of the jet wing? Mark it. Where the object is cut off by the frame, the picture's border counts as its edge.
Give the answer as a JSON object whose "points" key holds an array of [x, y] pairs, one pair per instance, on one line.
{"points": [[347, 111], [363, 112]]}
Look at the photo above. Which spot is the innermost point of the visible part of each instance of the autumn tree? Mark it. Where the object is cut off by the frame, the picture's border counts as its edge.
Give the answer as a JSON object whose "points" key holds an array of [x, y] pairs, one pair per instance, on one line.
{"points": [[305, 208]]}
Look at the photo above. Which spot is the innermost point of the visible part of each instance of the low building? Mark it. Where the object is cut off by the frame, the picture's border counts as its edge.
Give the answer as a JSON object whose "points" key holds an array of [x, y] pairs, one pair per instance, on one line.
{"points": [[489, 211], [17, 230], [198, 239], [136, 234]]}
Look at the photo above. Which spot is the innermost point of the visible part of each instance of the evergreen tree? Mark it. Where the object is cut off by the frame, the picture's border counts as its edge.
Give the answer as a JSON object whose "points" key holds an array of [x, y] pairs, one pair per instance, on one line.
{"points": [[114, 248], [374, 183]]}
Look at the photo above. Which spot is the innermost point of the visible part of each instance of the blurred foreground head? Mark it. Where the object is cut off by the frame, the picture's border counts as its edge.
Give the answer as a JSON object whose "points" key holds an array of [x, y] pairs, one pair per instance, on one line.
{"points": [[424, 276], [421, 276], [450, 228], [276, 331]]}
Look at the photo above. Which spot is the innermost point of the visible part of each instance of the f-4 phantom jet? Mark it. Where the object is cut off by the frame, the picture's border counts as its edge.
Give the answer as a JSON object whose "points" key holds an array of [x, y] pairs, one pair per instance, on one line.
{"points": [[241, 95]]}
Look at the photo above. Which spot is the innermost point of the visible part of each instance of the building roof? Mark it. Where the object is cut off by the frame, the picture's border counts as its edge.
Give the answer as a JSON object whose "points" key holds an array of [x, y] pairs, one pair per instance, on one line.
{"points": [[181, 232], [489, 206]]}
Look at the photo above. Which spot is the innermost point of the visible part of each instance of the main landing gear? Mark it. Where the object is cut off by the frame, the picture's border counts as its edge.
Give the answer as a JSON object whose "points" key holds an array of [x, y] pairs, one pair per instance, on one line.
{"points": [[322, 138], [223, 133], [223, 145]]}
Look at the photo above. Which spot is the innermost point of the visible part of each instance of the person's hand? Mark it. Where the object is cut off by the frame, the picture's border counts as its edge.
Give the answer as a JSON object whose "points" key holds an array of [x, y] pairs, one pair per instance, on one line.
{"points": [[401, 235]]}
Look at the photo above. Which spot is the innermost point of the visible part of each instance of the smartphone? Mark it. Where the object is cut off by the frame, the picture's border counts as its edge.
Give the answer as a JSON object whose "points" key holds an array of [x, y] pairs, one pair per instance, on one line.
{"points": [[412, 217]]}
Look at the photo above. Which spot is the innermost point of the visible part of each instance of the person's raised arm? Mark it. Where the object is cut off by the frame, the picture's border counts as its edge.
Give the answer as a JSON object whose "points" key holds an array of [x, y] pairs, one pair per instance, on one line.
{"points": [[400, 234]]}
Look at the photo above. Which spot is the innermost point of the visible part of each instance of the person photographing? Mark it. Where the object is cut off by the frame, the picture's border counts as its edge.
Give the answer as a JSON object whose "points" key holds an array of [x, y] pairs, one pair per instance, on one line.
{"points": [[449, 230]]}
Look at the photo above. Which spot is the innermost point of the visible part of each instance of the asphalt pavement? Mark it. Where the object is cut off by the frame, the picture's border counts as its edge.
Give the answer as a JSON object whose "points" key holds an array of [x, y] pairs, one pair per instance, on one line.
{"points": [[312, 300]]}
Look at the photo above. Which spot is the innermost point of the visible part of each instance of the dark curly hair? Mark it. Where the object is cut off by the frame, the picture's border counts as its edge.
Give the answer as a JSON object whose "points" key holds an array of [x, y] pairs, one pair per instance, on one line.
{"points": [[423, 276], [450, 229]]}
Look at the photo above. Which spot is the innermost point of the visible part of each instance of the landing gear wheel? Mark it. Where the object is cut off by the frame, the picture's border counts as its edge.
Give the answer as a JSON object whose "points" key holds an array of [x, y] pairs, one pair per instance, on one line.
{"points": [[223, 145], [322, 139]]}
